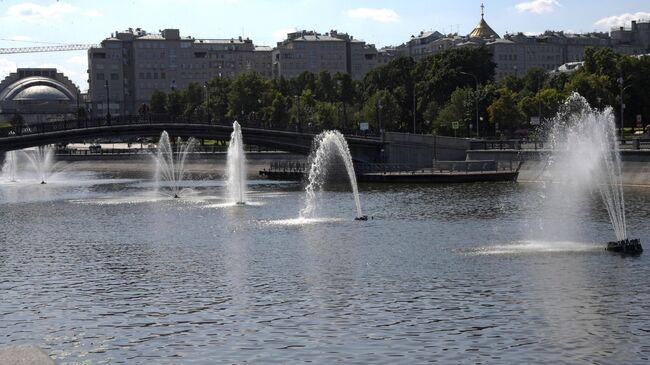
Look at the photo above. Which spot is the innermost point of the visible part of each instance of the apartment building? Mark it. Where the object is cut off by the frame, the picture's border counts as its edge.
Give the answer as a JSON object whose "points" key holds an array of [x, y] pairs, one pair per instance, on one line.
{"points": [[130, 65], [315, 52]]}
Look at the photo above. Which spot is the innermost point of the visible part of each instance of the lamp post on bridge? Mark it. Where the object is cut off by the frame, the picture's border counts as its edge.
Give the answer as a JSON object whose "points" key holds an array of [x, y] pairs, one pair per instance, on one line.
{"points": [[108, 104], [207, 100], [475, 101]]}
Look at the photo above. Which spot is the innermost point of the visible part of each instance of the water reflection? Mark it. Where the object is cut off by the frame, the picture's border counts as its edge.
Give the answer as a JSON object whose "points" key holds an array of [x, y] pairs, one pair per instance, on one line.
{"points": [[100, 273]]}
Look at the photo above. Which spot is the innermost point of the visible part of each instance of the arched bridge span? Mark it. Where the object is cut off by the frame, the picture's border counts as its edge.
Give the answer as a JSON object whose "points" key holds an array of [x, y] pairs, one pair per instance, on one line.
{"points": [[363, 149]]}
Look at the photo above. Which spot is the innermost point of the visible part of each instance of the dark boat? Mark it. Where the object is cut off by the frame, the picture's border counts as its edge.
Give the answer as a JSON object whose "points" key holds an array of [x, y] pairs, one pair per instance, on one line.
{"points": [[626, 246]]}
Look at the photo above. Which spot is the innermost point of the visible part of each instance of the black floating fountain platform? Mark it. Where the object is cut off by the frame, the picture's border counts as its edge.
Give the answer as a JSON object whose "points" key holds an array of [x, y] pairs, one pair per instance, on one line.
{"points": [[626, 246], [361, 218]]}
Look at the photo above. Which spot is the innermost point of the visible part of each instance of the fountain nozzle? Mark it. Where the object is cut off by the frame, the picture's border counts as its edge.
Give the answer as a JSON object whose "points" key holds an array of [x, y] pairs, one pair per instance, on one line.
{"points": [[626, 246], [361, 218], [176, 196], [43, 182]]}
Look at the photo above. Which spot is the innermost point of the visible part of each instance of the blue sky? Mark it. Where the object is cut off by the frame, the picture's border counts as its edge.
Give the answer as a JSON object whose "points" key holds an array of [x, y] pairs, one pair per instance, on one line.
{"points": [[382, 22]]}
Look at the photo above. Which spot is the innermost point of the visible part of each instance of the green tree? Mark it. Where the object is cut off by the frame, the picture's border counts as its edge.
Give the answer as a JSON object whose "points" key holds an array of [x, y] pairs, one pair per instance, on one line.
{"points": [[176, 103], [246, 95], [325, 87], [504, 112], [218, 89], [381, 110], [195, 96], [158, 102], [279, 112], [459, 109]]}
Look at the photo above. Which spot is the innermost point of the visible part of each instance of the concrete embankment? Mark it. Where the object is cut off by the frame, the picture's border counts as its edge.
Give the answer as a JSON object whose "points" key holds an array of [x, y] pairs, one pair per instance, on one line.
{"points": [[636, 163]]}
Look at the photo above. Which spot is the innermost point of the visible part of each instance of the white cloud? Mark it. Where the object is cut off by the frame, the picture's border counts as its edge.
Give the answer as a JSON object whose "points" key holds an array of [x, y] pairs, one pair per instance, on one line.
{"points": [[538, 6], [35, 13], [379, 15], [7, 67], [21, 38], [281, 34], [77, 60], [621, 20]]}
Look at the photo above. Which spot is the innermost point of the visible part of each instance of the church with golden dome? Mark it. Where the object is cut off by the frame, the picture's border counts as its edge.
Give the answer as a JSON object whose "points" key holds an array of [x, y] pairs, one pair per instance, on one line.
{"points": [[516, 53], [483, 30]]}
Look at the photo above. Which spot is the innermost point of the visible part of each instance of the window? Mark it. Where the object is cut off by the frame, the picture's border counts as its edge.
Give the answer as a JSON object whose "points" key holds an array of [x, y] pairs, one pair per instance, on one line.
{"points": [[100, 76], [114, 76], [141, 75]]}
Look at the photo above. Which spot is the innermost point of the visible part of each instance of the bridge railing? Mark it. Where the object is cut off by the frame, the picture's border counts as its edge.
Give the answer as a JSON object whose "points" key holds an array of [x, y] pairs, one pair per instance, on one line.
{"points": [[76, 124]]}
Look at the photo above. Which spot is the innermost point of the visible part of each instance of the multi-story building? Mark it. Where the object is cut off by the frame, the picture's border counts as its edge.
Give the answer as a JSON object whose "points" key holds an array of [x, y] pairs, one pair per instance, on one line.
{"points": [[129, 66], [515, 54], [314, 52]]}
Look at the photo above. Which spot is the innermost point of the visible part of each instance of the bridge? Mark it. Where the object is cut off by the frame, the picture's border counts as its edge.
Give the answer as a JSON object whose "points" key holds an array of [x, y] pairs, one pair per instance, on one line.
{"points": [[363, 149]]}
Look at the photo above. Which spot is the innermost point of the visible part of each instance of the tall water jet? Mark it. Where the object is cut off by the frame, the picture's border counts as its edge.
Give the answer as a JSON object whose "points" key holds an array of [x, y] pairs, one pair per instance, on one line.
{"points": [[9, 167], [170, 164], [327, 145], [585, 156], [42, 161], [236, 167]]}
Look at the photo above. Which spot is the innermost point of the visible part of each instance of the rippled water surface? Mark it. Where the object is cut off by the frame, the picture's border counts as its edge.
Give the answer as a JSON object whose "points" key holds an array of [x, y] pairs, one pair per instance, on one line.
{"points": [[97, 269]]}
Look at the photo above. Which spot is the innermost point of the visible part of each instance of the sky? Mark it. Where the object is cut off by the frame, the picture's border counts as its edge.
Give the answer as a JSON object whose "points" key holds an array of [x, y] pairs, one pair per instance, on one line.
{"points": [[380, 22]]}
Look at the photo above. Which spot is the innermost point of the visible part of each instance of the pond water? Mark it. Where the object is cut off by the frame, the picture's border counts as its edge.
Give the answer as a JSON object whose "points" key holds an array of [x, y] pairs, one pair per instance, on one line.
{"points": [[95, 268]]}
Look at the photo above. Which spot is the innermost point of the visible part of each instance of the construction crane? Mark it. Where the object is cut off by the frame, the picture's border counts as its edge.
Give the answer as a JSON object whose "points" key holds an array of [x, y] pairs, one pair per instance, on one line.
{"points": [[57, 48]]}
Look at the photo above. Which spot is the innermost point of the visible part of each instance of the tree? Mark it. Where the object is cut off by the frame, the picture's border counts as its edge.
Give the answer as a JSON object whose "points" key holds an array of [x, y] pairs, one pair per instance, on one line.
{"points": [[246, 94], [325, 87], [194, 99], [302, 110], [158, 102], [459, 109], [176, 103], [346, 93], [279, 111], [218, 89], [381, 111], [504, 111]]}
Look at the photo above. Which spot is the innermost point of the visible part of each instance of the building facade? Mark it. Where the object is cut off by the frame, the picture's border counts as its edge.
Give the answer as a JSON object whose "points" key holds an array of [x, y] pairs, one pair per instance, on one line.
{"points": [[129, 66], [37, 95], [332, 52], [515, 54]]}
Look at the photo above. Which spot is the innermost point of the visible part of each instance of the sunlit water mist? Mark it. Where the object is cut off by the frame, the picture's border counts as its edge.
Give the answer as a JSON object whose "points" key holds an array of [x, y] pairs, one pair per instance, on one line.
{"points": [[584, 158], [236, 167], [170, 166], [326, 146], [9, 166], [41, 160]]}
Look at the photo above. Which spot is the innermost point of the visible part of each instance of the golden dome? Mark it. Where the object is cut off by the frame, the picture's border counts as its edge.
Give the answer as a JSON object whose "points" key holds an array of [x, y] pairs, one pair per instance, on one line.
{"points": [[483, 30]]}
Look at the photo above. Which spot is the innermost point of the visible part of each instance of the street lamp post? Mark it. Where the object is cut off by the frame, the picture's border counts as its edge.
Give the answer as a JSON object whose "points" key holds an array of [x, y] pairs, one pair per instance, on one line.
{"points": [[478, 129], [207, 100], [621, 82], [414, 105], [381, 129], [108, 104]]}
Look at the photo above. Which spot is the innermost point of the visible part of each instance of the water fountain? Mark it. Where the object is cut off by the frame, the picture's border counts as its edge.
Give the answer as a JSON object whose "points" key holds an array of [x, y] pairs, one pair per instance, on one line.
{"points": [[585, 154], [236, 168], [170, 164], [9, 166], [42, 160], [327, 145]]}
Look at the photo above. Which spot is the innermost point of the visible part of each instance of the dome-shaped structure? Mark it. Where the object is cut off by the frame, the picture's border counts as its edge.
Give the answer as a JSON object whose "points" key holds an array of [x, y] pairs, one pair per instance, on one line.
{"points": [[37, 95], [37, 88], [483, 30], [40, 93]]}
